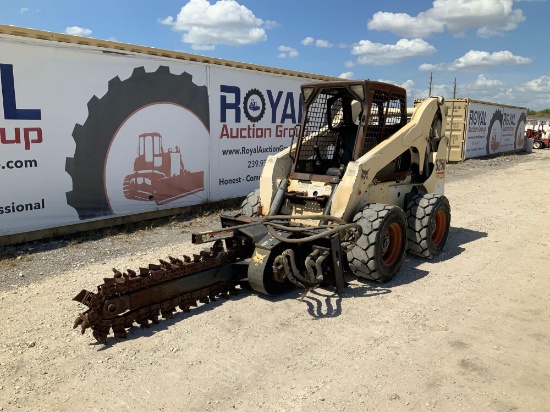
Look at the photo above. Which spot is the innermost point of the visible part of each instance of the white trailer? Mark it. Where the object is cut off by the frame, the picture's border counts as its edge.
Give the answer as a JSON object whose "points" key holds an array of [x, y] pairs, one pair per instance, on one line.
{"points": [[98, 132], [479, 128]]}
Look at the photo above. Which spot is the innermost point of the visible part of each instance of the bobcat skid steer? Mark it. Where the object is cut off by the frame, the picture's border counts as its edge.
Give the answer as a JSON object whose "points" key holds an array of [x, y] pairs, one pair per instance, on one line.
{"points": [[359, 188]]}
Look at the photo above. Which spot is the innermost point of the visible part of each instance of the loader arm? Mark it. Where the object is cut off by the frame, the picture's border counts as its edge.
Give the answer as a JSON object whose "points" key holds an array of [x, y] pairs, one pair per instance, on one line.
{"points": [[360, 176]]}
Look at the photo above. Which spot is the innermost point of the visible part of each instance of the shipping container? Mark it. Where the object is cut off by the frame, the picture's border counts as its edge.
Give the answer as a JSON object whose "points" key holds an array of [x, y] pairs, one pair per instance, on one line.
{"points": [[477, 128]]}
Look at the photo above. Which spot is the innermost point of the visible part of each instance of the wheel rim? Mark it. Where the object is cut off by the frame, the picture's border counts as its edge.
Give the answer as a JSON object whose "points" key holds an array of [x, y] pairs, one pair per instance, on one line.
{"points": [[439, 226], [391, 244]]}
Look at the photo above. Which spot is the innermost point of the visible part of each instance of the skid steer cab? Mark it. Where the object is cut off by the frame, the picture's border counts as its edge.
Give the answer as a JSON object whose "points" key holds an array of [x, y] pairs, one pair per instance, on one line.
{"points": [[360, 187]]}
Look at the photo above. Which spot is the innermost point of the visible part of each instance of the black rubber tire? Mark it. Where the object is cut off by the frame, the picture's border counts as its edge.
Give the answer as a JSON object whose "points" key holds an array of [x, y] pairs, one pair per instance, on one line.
{"points": [[537, 145], [105, 115], [251, 205], [428, 220], [372, 257]]}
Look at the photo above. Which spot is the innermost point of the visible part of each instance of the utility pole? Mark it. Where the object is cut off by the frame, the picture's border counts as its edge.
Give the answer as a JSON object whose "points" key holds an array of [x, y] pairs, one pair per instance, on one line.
{"points": [[452, 139], [454, 90], [430, 92]]}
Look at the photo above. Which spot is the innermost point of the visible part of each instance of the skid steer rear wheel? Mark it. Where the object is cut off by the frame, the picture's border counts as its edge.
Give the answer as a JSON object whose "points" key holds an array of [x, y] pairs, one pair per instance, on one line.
{"points": [[379, 252], [429, 220], [251, 205]]}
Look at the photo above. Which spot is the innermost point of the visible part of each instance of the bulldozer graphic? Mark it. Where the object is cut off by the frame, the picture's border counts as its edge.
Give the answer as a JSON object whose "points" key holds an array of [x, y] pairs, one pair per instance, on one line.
{"points": [[160, 176], [253, 106]]}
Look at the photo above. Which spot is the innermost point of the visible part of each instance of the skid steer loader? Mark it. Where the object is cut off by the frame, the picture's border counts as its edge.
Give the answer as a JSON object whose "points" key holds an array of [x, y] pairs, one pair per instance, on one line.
{"points": [[358, 188]]}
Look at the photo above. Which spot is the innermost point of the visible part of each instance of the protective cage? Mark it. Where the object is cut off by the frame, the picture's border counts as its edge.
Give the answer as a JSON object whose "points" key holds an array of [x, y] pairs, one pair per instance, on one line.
{"points": [[336, 117]]}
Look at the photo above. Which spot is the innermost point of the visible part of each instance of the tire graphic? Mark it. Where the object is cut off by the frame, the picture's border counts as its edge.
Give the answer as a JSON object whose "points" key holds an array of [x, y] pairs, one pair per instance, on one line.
{"points": [[519, 133], [107, 114], [252, 105], [493, 138]]}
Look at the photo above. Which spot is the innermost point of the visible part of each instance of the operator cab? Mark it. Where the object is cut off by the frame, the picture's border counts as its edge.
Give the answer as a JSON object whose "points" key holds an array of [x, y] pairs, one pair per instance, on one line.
{"points": [[343, 121]]}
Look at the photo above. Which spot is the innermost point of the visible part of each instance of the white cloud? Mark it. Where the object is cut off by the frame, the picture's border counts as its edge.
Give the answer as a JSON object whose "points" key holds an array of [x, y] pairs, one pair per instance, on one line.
{"points": [[203, 47], [317, 42], [414, 92], [271, 24], [476, 59], [378, 54], [287, 52], [489, 17], [347, 76], [78, 31], [24, 10], [404, 25], [226, 22], [408, 85], [349, 63], [482, 81], [540, 85], [322, 43]]}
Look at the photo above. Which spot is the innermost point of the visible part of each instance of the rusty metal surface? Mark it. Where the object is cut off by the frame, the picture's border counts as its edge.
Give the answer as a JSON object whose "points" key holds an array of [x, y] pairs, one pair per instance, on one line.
{"points": [[130, 297]]}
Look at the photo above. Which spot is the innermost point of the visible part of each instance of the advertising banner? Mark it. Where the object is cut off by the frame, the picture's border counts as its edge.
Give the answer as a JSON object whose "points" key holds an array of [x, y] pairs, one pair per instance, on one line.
{"points": [[254, 115], [514, 120], [86, 134], [493, 129]]}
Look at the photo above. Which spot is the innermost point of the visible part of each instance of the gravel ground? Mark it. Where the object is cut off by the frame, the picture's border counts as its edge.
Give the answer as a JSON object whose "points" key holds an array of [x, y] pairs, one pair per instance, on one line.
{"points": [[465, 331]]}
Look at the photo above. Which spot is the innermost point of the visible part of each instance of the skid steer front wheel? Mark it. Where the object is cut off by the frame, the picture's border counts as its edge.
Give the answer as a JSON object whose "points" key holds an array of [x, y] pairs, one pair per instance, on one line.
{"points": [[429, 220], [379, 252], [251, 204]]}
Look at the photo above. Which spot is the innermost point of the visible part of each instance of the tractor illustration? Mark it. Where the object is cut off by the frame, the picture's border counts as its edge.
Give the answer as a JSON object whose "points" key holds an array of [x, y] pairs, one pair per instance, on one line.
{"points": [[160, 176]]}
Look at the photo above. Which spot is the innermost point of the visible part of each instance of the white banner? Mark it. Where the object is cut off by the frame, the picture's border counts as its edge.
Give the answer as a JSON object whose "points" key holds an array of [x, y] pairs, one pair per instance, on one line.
{"points": [[86, 134], [493, 129], [254, 115]]}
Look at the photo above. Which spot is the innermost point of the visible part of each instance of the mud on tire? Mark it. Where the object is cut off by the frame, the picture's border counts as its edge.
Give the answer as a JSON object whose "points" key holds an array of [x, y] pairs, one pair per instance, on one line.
{"points": [[251, 205], [428, 220], [380, 250]]}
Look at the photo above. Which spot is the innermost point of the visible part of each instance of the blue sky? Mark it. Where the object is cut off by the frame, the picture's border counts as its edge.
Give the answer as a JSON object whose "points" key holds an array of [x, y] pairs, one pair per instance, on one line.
{"points": [[496, 49]]}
